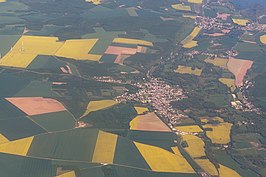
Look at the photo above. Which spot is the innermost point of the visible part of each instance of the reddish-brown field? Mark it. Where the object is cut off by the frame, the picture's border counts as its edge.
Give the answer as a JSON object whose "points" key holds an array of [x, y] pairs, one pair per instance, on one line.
{"points": [[69, 69], [223, 16], [114, 50], [225, 31], [149, 122], [239, 68], [59, 83], [36, 105], [120, 58], [64, 70], [215, 34]]}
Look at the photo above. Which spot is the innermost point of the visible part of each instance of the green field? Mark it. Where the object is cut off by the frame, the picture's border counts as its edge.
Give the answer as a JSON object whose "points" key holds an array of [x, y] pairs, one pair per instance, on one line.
{"points": [[55, 121]]}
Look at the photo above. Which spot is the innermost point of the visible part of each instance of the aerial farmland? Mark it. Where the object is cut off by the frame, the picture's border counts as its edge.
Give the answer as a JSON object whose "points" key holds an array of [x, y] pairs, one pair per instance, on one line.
{"points": [[127, 88]]}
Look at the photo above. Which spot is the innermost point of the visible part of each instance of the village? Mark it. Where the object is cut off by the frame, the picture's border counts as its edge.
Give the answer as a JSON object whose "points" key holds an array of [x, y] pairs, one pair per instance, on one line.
{"points": [[159, 95], [209, 23], [156, 93]]}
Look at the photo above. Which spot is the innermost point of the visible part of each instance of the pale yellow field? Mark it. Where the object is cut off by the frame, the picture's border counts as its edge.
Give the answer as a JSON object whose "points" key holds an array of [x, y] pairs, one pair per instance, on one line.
{"points": [[132, 41], [95, 2], [226, 172], [181, 7], [195, 32], [218, 119], [182, 160], [161, 160], [190, 16], [229, 83], [195, 1], [105, 147], [141, 110], [188, 42], [192, 35], [190, 129], [176, 151], [78, 49], [218, 62], [2, 1], [263, 39], [188, 70], [18, 147], [206, 120], [98, 105], [195, 146], [220, 133], [207, 166], [3, 139], [149, 122], [241, 22], [68, 174]]}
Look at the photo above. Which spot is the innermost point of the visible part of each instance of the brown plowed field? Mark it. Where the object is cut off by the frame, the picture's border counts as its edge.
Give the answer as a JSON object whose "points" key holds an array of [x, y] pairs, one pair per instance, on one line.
{"points": [[239, 68], [36, 105]]}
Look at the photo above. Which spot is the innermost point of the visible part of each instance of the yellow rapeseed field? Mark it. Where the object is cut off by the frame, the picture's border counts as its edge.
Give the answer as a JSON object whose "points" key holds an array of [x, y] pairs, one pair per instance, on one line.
{"points": [[134, 123], [3, 139], [18, 60], [98, 105], [207, 166], [17, 147], [226, 172], [161, 160], [188, 70], [188, 42], [95, 2], [181, 7], [105, 147], [37, 45], [190, 129], [182, 160], [218, 62], [195, 1], [241, 22], [195, 32], [176, 151], [132, 41], [141, 110], [195, 146], [190, 16], [218, 119], [192, 35], [68, 174], [78, 49], [196, 149], [229, 83], [263, 39], [206, 120], [220, 133], [27, 48]]}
